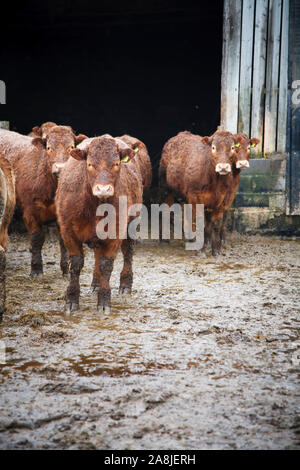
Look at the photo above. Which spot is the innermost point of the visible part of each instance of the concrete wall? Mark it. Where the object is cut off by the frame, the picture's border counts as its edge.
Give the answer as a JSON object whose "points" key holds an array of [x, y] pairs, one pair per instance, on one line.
{"points": [[260, 204]]}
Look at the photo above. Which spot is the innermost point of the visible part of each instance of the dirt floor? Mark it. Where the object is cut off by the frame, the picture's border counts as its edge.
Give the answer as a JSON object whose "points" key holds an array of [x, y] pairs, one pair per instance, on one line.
{"points": [[203, 355]]}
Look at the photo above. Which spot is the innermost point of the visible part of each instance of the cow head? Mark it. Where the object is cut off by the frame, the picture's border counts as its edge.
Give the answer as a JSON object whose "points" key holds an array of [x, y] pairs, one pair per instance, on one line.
{"points": [[243, 147], [222, 151], [58, 142], [104, 156], [42, 131]]}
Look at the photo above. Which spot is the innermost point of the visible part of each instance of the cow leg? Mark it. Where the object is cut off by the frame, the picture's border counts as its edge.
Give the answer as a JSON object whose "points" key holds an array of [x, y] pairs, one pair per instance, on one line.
{"points": [[36, 241], [76, 262], [169, 200], [207, 230], [73, 291], [216, 242], [2, 281], [37, 238], [64, 262], [126, 276], [106, 257], [96, 273], [223, 228]]}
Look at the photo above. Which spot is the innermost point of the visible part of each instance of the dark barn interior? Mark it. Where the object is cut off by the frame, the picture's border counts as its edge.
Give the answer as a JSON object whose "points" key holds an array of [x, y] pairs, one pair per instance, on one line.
{"points": [[150, 69]]}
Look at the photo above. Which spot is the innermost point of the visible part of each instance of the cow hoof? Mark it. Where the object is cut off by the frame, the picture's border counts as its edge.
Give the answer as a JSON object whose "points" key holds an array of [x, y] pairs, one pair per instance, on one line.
{"points": [[216, 253], [124, 290], [201, 254], [105, 309], [71, 307], [36, 273]]}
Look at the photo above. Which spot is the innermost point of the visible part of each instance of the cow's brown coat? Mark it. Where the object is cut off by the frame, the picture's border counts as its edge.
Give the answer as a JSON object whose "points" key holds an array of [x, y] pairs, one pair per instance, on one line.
{"points": [[42, 131], [33, 162], [188, 168], [7, 205], [76, 211], [243, 146]]}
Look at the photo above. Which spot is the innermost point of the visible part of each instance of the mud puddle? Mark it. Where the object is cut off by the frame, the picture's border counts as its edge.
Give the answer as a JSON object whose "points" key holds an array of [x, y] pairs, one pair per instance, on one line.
{"points": [[203, 355]]}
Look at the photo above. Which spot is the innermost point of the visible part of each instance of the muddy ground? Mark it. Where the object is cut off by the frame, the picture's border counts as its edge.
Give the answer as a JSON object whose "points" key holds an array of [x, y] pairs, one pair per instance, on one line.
{"points": [[203, 355]]}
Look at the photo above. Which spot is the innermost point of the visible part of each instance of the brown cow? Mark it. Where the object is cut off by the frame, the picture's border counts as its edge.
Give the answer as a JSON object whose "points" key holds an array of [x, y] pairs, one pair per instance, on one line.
{"points": [[37, 163], [143, 165], [42, 131], [243, 146], [99, 176], [7, 205], [200, 169]]}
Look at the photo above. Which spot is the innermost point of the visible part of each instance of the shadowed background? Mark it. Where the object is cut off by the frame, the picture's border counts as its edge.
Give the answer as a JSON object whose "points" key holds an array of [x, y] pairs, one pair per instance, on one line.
{"points": [[150, 69]]}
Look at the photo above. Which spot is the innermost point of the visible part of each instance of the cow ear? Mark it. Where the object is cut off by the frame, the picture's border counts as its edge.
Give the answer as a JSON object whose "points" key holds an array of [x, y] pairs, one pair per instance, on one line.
{"points": [[39, 142], [37, 130], [206, 140], [126, 155], [79, 138], [137, 146], [78, 154], [238, 139], [254, 142]]}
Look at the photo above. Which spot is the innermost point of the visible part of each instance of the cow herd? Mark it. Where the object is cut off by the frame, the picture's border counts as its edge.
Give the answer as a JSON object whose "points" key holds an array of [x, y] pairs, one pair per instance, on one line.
{"points": [[55, 175]]}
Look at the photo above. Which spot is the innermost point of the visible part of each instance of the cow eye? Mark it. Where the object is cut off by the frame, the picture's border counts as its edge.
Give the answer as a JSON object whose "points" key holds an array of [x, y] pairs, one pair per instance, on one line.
{"points": [[48, 148], [213, 147], [232, 148]]}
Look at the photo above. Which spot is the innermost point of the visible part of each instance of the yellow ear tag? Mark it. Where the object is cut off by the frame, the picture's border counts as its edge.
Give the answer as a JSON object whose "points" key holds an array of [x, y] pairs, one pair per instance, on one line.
{"points": [[253, 145], [136, 149], [237, 145], [125, 159]]}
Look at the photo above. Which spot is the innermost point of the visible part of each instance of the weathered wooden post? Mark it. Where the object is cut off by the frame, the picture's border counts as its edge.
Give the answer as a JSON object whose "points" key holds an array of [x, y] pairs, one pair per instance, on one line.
{"points": [[294, 110], [258, 39], [272, 76], [259, 72], [244, 113], [231, 65]]}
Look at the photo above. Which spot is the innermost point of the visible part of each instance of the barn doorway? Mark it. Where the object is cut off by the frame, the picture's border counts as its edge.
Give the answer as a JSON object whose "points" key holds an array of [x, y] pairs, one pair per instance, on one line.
{"points": [[150, 69]]}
